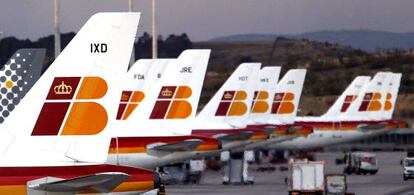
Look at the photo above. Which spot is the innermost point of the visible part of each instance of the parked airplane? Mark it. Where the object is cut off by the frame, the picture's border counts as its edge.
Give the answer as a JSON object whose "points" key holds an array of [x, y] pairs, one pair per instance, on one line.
{"points": [[276, 112], [226, 115], [156, 112], [56, 140], [353, 117]]}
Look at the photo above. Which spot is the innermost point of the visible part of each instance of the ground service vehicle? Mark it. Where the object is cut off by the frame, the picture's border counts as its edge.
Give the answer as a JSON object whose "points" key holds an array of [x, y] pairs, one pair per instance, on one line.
{"points": [[306, 177], [408, 164], [361, 163], [336, 184]]}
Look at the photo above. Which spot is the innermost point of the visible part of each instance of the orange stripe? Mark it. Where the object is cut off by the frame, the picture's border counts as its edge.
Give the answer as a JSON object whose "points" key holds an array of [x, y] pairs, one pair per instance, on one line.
{"points": [[258, 137], [123, 187], [135, 186], [13, 189], [207, 147], [127, 150]]}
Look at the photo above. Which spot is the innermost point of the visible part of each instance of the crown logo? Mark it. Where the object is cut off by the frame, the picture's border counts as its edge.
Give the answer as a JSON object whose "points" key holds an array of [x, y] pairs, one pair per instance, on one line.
{"points": [[62, 89], [228, 95], [166, 93]]}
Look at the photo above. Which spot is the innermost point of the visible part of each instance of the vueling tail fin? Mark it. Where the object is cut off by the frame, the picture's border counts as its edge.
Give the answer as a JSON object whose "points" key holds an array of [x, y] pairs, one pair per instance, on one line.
{"points": [[266, 86], [285, 100], [78, 93], [391, 96], [230, 106], [343, 102], [18, 76], [170, 104], [368, 105]]}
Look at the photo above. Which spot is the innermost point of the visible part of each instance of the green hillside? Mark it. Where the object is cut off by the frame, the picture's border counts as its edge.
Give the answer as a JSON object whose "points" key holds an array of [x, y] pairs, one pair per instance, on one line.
{"points": [[331, 67]]}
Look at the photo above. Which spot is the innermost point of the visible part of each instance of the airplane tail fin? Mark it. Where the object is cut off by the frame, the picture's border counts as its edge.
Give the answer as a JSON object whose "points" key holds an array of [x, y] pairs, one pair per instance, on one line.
{"points": [[391, 96], [144, 73], [268, 78], [18, 76], [78, 94], [171, 102], [230, 106], [348, 96], [285, 100], [369, 103]]}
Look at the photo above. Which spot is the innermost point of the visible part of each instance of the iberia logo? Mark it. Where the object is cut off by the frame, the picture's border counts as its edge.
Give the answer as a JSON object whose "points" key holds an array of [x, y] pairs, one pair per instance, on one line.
{"points": [[371, 102], [232, 104], [259, 102], [68, 109], [283, 103], [347, 102], [172, 103], [388, 104], [129, 101]]}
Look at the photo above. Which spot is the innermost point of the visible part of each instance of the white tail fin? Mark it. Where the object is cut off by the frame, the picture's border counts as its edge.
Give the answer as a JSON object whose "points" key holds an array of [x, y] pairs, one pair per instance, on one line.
{"points": [[143, 74], [392, 94], [169, 105], [230, 106], [18, 76], [285, 100], [342, 104], [368, 104], [266, 86], [78, 94]]}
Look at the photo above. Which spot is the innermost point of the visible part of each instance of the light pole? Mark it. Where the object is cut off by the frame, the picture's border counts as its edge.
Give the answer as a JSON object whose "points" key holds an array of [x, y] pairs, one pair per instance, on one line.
{"points": [[56, 28], [154, 32], [132, 60]]}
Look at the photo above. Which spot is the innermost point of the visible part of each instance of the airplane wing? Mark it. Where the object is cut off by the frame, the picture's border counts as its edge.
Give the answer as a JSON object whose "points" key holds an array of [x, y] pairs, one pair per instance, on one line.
{"points": [[100, 183], [186, 145]]}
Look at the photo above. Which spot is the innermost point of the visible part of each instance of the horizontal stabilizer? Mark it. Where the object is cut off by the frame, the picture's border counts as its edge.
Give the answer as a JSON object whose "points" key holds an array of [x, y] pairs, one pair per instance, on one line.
{"points": [[99, 183], [186, 145], [268, 142], [235, 136], [370, 127]]}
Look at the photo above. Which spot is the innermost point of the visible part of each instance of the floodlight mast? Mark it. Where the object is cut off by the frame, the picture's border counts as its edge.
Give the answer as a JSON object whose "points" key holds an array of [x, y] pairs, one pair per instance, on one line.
{"points": [[132, 60], [56, 28], [154, 32]]}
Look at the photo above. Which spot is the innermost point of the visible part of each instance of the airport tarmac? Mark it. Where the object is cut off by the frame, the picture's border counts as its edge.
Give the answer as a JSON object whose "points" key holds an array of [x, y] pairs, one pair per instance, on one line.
{"points": [[388, 181]]}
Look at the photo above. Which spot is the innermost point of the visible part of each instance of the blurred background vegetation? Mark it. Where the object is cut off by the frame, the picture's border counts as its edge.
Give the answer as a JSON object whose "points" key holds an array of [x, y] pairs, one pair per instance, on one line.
{"points": [[331, 67]]}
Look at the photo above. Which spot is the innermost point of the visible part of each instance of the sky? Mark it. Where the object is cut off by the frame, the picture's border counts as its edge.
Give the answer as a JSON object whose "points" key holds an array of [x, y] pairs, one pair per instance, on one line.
{"points": [[206, 19]]}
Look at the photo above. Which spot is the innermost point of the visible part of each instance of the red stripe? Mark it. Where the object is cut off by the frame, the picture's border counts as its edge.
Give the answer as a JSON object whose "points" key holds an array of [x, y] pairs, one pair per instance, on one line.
{"points": [[342, 123], [144, 141], [21, 175]]}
